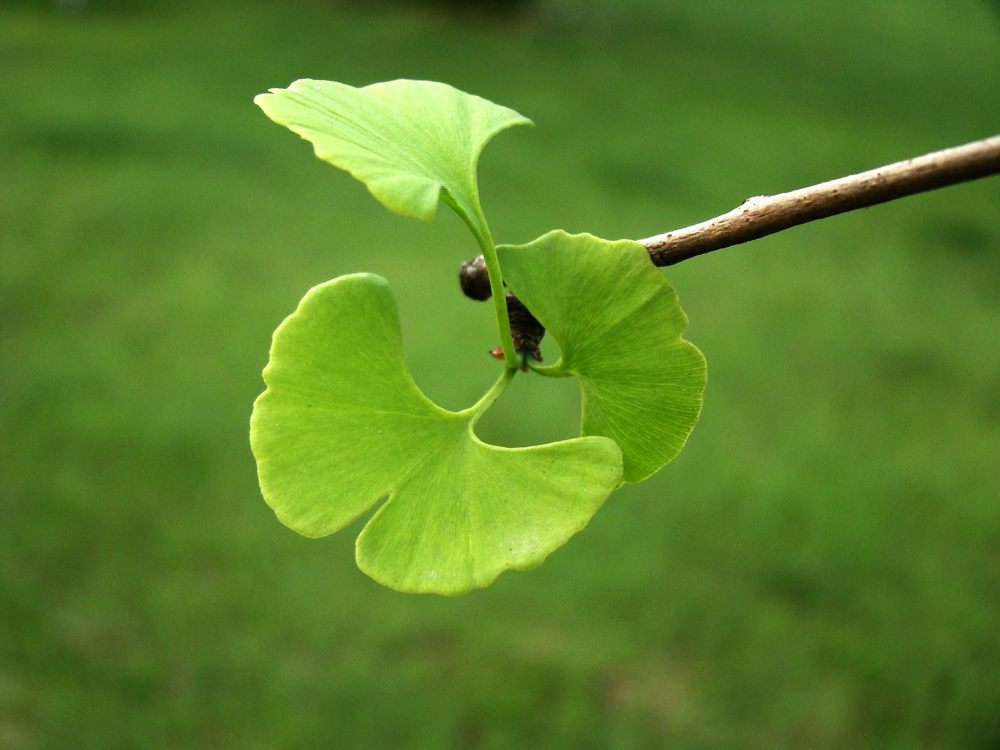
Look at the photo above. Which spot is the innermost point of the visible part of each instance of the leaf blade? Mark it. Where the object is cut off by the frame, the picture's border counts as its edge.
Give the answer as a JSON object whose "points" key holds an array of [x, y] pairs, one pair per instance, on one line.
{"points": [[620, 326], [342, 424], [406, 140]]}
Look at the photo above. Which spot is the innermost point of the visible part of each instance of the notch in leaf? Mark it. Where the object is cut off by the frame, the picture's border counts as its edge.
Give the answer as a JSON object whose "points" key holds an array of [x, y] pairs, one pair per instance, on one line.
{"points": [[619, 324], [342, 424], [408, 141]]}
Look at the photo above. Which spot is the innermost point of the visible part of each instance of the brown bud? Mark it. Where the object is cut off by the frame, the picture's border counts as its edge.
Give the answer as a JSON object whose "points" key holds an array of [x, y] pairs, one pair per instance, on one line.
{"points": [[475, 279], [525, 329]]}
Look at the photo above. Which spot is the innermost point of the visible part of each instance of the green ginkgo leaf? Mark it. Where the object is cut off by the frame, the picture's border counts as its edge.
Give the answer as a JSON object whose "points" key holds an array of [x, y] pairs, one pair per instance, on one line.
{"points": [[408, 141], [619, 326], [342, 424]]}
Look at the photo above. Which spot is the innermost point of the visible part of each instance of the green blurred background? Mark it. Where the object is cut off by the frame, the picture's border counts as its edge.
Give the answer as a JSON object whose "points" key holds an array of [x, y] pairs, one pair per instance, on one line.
{"points": [[820, 568]]}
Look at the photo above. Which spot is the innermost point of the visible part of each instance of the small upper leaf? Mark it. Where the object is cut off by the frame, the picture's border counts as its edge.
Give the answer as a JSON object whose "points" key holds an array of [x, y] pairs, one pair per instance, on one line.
{"points": [[406, 140], [619, 326], [342, 424]]}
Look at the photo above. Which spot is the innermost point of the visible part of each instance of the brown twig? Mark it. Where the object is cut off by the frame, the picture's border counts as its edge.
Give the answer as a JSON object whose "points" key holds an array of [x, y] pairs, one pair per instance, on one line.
{"points": [[767, 214], [764, 215]]}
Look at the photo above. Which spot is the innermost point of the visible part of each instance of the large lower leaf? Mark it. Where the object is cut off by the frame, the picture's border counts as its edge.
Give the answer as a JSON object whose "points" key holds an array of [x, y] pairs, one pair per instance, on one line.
{"points": [[406, 140], [342, 424], [619, 326]]}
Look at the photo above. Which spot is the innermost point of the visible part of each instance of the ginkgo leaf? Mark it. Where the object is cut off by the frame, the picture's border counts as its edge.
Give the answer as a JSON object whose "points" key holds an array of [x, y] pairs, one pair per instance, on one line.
{"points": [[342, 424], [619, 326], [408, 141]]}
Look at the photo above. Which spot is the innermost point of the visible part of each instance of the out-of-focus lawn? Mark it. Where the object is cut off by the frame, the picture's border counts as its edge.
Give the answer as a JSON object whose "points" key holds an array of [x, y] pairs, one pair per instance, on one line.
{"points": [[820, 568]]}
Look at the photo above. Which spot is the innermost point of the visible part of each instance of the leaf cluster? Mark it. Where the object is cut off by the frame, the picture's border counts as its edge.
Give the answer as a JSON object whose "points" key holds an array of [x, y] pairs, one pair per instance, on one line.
{"points": [[342, 425]]}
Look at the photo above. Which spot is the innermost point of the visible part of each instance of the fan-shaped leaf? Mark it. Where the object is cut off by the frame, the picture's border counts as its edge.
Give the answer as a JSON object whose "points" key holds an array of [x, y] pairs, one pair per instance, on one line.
{"points": [[406, 140], [342, 424], [619, 325]]}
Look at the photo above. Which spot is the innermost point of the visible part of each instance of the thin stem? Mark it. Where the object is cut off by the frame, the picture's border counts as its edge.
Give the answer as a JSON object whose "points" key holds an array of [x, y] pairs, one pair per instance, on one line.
{"points": [[485, 241], [764, 215], [499, 296], [552, 371], [476, 410]]}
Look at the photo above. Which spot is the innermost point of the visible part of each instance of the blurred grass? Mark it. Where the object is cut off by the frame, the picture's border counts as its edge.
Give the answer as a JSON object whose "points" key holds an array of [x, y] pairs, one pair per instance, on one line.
{"points": [[819, 568]]}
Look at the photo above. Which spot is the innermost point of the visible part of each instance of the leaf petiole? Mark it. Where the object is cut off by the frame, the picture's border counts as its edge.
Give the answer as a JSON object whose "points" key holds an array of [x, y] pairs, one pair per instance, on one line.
{"points": [[481, 231], [499, 302], [552, 371], [476, 410]]}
